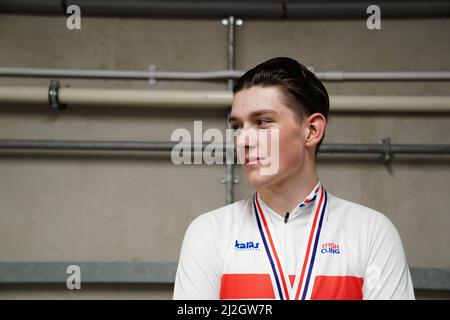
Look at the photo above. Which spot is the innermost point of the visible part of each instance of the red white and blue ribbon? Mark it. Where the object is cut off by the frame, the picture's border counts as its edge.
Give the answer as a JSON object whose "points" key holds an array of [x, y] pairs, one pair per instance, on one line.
{"points": [[304, 277]]}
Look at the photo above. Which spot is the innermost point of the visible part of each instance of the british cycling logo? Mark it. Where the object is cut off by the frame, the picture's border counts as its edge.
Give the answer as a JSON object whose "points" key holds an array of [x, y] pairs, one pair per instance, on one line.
{"points": [[249, 245], [330, 247]]}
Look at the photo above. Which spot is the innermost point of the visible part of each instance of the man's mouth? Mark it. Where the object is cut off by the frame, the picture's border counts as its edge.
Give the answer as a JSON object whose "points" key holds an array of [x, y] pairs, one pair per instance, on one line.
{"points": [[253, 160]]}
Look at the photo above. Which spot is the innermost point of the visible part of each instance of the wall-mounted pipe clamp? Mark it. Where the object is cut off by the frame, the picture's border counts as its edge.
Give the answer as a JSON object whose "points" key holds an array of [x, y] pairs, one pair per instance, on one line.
{"points": [[386, 156], [226, 178], [152, 74], [53, 96]]}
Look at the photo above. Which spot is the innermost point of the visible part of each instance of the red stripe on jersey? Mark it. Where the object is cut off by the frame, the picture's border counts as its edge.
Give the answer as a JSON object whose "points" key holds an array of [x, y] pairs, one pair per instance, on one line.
{"points": [[246, 286], [259, 286], [337, 288], [292, 279]]}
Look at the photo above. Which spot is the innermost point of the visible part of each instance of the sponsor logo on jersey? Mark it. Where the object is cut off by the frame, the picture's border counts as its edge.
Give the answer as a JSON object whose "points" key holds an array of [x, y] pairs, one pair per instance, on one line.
{"points": [[330, 247], [249, 245]]}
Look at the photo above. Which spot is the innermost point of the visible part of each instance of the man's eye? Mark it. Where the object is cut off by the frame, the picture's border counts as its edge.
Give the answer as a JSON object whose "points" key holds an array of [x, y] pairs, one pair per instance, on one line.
{"points": [[262, 122]]}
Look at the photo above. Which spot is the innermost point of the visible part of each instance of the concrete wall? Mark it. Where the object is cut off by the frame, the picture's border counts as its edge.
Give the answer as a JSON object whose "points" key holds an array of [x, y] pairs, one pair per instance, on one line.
{"points": [[77, 206]]}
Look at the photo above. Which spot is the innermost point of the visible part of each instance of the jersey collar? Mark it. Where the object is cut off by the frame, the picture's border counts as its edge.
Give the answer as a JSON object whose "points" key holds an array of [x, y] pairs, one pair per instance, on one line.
{"points": [[302, 208]]}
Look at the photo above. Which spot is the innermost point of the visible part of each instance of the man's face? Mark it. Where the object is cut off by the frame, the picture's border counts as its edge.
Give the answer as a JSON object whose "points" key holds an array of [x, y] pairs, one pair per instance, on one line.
{"points": [[260, 115]]}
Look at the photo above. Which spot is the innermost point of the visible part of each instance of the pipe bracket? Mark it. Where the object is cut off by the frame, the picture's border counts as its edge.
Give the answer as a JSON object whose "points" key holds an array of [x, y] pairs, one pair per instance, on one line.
{"points": [[53, 96], [237, 22], [227, 178], [386, 156], [152, 75]]}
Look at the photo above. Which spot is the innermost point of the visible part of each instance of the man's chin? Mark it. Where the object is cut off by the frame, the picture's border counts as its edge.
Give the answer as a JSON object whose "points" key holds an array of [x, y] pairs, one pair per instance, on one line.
{"points": [[258, 180]]}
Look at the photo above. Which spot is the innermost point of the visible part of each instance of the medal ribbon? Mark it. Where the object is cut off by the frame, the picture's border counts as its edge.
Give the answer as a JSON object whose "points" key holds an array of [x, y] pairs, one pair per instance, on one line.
{"points": [[284, 290]]}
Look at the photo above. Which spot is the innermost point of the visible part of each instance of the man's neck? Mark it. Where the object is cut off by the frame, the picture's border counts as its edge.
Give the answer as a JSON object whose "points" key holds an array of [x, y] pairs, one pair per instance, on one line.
{"points": [[285, 196]]}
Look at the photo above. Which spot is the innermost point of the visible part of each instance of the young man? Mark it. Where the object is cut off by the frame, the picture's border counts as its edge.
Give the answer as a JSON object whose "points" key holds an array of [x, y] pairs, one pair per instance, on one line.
{"points": [[291, 239]]}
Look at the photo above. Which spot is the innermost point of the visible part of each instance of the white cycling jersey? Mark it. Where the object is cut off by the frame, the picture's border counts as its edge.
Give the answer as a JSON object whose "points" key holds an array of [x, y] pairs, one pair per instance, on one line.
{"points": [[327, 248]]}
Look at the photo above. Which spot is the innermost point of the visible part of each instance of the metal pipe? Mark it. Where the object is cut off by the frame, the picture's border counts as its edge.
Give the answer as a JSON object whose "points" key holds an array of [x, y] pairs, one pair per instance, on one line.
{"points": [[167, 146], [216, 75], [383, 76], [229, 178], [115, 97], [390, 103], [211, 99], [429, 149], [231, 49], [119, 74], [159, 146], [289, 9]]}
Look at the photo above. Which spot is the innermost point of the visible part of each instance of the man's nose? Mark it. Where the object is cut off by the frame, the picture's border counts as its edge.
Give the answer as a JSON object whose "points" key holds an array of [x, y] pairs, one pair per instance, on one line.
{"points": [[246, 138]]}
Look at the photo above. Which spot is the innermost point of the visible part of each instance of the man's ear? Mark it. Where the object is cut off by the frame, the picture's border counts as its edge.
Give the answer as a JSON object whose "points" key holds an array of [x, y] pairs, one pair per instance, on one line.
{"points": [[314, 129]]}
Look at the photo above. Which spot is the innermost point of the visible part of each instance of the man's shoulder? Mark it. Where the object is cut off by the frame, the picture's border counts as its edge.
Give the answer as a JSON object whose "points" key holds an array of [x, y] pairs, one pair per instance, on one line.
{"points": [[354, 212], [223, 216]]}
